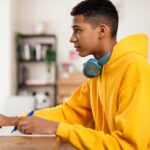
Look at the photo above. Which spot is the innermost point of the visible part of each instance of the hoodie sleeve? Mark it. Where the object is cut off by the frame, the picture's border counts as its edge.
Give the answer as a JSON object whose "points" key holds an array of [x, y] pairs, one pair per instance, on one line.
{"points": [[132, 125], [76, 110]]}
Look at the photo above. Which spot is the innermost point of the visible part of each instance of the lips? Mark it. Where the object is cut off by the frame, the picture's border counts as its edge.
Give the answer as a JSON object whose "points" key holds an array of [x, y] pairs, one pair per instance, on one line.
{"points": [[77, 48]]}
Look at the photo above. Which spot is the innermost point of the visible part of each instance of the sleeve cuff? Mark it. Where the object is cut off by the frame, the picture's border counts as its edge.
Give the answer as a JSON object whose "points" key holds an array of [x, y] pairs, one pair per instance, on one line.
{"points": [[63, 130]]}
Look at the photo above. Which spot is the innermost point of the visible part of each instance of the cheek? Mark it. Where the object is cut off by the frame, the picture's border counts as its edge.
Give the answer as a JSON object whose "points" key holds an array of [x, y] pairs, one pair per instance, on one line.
{"points": [[91, 42], [88, 40], [85, 40], [90, 37]]}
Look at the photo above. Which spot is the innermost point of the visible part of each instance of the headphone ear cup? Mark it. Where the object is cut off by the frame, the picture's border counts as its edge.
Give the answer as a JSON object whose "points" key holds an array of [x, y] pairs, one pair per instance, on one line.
{"points": [[91, 68]]}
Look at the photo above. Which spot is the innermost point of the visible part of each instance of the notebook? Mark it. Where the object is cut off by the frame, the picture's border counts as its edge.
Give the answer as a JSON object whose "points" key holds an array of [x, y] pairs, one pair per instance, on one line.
{"points": [[6, 131]]}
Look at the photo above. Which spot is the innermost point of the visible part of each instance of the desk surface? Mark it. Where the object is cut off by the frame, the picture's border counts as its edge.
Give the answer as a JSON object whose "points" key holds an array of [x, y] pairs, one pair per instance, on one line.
{"points": [[33, 143]]}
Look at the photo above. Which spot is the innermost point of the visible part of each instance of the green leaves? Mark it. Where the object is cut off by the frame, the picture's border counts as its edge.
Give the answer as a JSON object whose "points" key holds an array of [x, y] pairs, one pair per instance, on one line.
{"points": [[50, 57]]}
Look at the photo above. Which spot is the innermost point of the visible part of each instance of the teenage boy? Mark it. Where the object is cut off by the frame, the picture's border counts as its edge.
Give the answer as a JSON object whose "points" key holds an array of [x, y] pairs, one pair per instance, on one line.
{"points": [[116, 97]]}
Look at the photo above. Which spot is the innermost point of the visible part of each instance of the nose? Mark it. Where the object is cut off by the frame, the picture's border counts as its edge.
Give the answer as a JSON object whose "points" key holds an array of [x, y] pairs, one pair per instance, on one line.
{"points": [[73, 38]]}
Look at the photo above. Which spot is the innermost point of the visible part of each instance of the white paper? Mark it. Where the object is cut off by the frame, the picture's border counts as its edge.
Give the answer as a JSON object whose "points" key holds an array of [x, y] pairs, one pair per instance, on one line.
{"points": [[6, 131]]}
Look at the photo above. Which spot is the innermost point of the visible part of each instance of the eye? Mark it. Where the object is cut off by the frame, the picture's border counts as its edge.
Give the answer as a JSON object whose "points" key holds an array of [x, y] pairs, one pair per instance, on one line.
{"points": [[76, 31]]}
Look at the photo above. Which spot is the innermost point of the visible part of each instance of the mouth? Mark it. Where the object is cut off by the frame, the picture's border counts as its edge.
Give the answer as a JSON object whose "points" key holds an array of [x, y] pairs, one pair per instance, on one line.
{"points": [[77, 48]]}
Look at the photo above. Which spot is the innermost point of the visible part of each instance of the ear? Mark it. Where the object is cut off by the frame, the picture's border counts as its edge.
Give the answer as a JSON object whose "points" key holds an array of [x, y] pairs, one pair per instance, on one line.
{"points": [[102, 29]]}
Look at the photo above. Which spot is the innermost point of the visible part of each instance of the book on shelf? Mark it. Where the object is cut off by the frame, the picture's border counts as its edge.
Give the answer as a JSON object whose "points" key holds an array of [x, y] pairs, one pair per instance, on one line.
{"points": [[36, 52]]}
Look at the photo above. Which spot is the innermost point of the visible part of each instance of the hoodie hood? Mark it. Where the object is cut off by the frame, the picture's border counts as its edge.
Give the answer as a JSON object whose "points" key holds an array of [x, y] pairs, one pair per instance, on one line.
{"points": [[137, 43]]}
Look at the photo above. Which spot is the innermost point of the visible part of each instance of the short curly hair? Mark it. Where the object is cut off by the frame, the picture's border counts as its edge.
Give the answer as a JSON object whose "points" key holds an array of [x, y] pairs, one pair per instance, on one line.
{"points": [[98, 11]]}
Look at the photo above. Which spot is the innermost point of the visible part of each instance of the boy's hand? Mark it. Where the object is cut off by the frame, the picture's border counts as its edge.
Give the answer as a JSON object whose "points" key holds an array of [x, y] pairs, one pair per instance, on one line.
{"points": [[36, 125], [8, 121]]}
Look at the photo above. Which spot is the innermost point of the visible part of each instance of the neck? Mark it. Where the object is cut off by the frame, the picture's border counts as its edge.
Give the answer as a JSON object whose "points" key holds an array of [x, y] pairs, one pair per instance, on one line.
{"points": [[105, 48]]}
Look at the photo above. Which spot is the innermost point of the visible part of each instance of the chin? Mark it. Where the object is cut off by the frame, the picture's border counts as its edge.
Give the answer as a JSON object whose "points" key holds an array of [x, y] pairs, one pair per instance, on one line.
{"points": [[83, 54]]}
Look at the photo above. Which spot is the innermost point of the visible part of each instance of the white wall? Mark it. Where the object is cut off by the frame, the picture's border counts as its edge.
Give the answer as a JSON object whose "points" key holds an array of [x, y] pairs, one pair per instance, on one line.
{"points": [[134, 17], [5, 46], [7, 50], [14, 29]]}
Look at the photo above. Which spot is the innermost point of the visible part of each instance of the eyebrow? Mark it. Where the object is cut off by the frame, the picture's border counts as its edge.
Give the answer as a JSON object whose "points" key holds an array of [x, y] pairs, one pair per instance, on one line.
{"points": [[75, 26]]}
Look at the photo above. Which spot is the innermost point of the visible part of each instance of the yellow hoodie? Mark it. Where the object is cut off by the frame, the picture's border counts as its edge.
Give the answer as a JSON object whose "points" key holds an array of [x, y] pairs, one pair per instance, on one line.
{"points": [[118, 102]]}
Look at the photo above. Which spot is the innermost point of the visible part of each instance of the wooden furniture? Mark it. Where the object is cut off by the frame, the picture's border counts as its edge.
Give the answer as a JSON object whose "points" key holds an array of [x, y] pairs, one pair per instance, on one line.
{"points": [[66, 86], [33, 143]]}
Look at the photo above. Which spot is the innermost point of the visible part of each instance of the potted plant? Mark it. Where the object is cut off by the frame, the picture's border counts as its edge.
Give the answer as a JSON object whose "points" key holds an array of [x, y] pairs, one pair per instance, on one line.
{"points": [[50, 57]]}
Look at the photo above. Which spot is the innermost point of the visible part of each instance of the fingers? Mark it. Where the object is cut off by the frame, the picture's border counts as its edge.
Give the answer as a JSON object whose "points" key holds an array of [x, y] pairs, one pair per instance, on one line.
{"points": [[23, 124], [36, 125], [26, 129]]}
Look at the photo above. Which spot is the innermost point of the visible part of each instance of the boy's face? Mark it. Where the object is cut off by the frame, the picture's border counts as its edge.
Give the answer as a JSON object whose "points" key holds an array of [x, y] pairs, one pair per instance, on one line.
{"points": [[85, 38]]}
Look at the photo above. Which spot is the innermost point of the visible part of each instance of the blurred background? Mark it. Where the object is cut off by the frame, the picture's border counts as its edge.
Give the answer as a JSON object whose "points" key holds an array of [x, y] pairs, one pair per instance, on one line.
{"points": [[38, 66]]}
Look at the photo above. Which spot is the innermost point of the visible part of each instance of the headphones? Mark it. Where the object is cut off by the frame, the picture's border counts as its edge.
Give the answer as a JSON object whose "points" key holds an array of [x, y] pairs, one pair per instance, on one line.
{"points": [[93, 67]]}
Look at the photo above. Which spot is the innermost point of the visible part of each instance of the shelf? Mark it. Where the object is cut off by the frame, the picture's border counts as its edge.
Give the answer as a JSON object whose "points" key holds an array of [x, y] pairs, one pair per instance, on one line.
{"points": [[37, 85], [36, 35], [31, 61], [32, 72]]}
